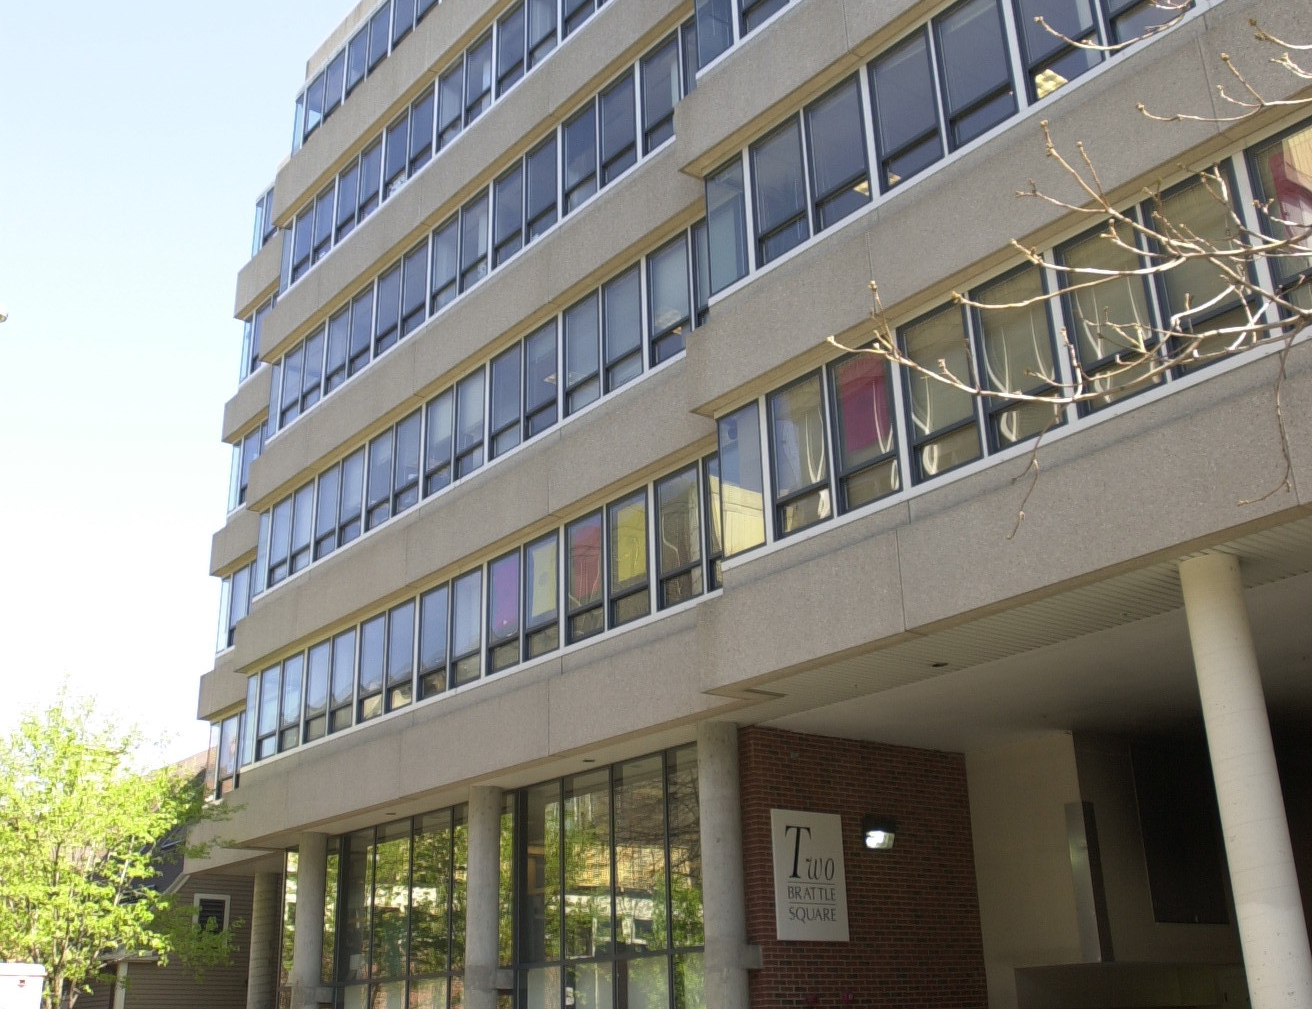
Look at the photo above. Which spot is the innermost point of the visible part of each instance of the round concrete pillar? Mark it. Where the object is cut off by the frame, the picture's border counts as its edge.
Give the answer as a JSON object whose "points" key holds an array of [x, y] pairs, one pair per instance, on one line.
{"points": [[1272, 930], [723, 910], [307, 943], [484, 894]]}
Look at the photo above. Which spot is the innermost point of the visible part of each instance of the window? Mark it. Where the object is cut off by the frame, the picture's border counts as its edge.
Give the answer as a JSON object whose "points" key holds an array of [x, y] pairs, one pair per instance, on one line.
{"points": [[325, 519], [1110, 317], [396, 158], [378, 36], [334, 76], [279, 542], [678, 538], [211, 912], [403, 19], [266, 726], [906, 112], [714, 20], [779, 191], [1134, 19], [450, 104], [473, 242], [508, 215], [865, 445], [714, 521], [314, 95], [1016, 355], [362, 322], [943, 431], [580, 158], [541, 30], [341, 698], [405, 472], [503, 612], [742, 492], [619, 148], [582, 359], [975, 70], [540, 379], [505, 402], [469, 424], [318, 665], [478, 78], [239, 601], [290, 397], [583, 569], [371, 176], [836, 148], [540, 191], [574, 13], [421, 130], [414, 288], [312, 375], [622, 315], [446, 259], [302, 242], [264, 226], [357, 59], [756, 12], [302, 527], [387, 325], [726, 226], [437, 443], [432, 641], [1282, 168], [541, 628], [466, 627], [378, 503], [349, 511], [1051, 61], [289, 724], [244, 453], [339, 332], [400, 655], [510, 48], [798, 456], [323, 223], [627, 550], [668, 294], [660, 93], [373, 654]]}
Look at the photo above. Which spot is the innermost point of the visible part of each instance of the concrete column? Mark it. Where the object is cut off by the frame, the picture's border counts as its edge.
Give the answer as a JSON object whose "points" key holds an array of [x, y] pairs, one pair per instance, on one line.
{"points": [[266, 913], [1272, 931], [307, 942], [482, 902], [723, 900]]}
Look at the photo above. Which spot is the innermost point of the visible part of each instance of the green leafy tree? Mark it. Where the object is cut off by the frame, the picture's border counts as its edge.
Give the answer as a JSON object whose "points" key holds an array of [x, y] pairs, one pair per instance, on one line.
{"points": [[83, 834]]}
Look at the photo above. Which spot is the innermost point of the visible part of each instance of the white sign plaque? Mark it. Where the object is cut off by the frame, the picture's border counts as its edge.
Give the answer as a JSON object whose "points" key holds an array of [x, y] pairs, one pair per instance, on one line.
{"points": [[810, 889]]}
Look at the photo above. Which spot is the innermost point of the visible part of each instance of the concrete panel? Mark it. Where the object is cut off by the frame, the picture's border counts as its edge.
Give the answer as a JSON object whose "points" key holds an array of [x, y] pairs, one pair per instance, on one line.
{"points": [[806, 49], [250, 403], [234, 544], [259, 278], [1187, 460], [221, 689], [628, 682], [1027, 913], [848, 577]]}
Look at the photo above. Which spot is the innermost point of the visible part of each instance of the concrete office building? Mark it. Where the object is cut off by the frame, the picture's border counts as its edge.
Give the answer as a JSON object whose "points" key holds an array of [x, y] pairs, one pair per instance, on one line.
{"points": [[591, 624]]}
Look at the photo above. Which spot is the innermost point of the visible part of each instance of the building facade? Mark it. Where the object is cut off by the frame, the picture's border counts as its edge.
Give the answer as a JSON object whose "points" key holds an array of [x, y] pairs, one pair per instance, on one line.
{"points": [[595, 632]]}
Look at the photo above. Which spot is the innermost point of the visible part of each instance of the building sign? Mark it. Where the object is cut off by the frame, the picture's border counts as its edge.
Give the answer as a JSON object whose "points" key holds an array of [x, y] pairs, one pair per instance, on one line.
{"points": [[810, 889]]}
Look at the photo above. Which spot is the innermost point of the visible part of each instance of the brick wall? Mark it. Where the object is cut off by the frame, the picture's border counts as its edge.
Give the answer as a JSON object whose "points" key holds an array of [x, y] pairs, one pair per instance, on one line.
{"points": [[913, 913]]}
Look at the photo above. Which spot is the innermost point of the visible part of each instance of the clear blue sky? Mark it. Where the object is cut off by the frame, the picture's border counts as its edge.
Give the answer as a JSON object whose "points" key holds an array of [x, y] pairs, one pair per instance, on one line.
{"points": [[134, 140]]}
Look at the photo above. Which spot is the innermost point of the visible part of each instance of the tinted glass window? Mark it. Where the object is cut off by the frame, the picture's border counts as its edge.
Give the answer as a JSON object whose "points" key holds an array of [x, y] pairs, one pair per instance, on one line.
{"points": [[405, 476], [414, 289], [432, 641], [466, 627], [371, 172], [840, 181], [357, 59], [446, 261], [619, 149], [540, 379], [334, 78], [362, 320], [378, 40], [975, 70], [469, 424], [540, 197], [437, 442], [780, 192], [421, 130], [473, 242], [582, 355], [906, 111], [660, 93], [378, 492], [505, 405], [323, 222], [742, 490], [478, 78], [450, 104], [668, 293], [348, 195], [510, 48], [508, 221], [622, 317], [541, 29], [386, 331], [580, 158], [403, 19], [714, 28], [397, 156]]}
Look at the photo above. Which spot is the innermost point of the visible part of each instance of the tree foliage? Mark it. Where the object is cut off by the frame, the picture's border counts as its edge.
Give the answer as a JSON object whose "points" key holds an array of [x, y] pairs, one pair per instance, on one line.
{"points": [[83, 835]]}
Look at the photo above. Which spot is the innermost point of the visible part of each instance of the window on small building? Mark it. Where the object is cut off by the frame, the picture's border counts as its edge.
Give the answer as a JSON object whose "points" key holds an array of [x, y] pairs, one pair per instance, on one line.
{"points": [[211, 912]]}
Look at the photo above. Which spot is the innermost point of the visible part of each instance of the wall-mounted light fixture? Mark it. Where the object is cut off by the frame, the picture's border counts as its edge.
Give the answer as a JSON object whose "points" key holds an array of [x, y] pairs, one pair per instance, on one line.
{"points": [[878, 831]]}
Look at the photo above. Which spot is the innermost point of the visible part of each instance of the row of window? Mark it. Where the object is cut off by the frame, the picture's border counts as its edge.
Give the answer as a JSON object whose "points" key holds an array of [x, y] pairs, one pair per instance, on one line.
{"points": [[1124, 296], [632, 117], [650, 549], [600, 896], [722, 24], [947, 83], [378, 36]]}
